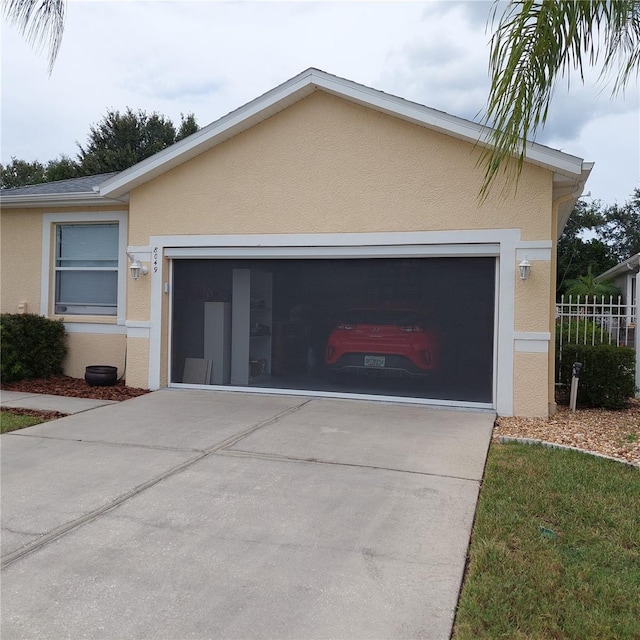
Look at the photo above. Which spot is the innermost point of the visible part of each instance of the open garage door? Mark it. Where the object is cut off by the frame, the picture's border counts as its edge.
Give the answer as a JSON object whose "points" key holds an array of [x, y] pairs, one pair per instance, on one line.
{"points": [[401, 327]]}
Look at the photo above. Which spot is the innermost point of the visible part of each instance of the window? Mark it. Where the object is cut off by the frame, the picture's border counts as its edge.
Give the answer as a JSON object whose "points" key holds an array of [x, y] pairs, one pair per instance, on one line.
{"points": [[86, 269]]}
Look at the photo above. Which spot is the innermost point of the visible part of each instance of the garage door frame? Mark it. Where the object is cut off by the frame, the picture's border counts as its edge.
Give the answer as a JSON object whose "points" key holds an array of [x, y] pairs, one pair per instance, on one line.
{"points": [[503, 244]]}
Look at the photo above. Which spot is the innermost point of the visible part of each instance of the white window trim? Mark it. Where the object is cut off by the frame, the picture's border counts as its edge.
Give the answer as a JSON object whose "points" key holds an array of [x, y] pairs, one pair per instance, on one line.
{"points": [[49, 221]]}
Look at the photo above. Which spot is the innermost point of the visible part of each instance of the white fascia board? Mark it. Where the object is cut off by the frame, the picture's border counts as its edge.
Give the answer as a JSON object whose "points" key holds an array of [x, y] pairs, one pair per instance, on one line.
{"points": [[86, 199], [439, 120], [628, 266], [298, 88]]}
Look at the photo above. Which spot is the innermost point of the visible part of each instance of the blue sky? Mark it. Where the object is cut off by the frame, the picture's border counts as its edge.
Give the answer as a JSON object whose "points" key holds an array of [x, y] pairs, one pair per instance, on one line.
{"points": [[212, 57]]}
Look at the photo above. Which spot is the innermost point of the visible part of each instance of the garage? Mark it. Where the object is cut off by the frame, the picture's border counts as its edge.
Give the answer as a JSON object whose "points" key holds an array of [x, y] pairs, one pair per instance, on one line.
{"points": [[403, 327]]}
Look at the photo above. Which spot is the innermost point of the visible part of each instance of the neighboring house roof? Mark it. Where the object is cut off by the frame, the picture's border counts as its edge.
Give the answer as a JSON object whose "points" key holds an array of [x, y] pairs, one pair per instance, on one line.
{"points": [[83, 190], [569, 172], [630, 266]]}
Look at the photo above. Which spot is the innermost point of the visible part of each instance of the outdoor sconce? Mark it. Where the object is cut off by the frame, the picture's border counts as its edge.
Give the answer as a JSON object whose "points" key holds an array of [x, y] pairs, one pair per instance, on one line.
{"points": [[525, 268], [136, 267]]}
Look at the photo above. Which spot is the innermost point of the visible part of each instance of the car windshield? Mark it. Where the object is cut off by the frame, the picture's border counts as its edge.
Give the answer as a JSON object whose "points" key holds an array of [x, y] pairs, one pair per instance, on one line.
{"points": [[396, 317]]}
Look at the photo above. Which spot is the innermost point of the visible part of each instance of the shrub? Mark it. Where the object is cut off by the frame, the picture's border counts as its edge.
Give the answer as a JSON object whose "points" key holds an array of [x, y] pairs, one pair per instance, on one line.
{"points": [[581, 327], [607, 377], [32, 346]]}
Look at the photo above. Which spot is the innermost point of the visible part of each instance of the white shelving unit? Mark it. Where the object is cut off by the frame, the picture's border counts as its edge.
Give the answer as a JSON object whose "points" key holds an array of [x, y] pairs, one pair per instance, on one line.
{"points": [[251, 322], [217, 340]]}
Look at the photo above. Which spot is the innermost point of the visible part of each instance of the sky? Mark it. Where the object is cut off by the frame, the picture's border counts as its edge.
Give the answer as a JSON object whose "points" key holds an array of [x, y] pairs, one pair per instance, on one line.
{"points": [[208, 58]]}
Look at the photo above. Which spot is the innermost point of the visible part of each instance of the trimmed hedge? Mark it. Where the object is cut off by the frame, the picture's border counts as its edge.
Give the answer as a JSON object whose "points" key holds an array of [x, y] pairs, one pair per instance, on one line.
{"points": [[32, 346], [607, 377]]}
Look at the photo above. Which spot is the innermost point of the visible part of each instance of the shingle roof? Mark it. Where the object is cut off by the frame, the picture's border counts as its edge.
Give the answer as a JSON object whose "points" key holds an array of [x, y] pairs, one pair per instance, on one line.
{"points": [[60, 187]]}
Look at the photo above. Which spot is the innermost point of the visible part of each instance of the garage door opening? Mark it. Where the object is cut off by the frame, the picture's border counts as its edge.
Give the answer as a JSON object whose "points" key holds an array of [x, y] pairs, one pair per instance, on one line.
{"points": [[407, 327]]}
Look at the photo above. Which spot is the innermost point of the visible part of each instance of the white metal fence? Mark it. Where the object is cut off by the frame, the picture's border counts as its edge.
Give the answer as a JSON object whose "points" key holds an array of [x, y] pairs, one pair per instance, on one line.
{"points": [[589, 320]]}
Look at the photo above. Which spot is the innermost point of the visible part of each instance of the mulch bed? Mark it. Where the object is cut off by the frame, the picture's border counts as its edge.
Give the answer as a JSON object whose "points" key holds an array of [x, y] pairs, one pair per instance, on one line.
{"points": [[611, 433], [74, 388]]}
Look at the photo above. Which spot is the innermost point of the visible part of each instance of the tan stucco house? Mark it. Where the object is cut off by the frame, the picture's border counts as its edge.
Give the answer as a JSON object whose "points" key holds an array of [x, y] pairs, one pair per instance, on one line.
{"points": [[284, 225]]}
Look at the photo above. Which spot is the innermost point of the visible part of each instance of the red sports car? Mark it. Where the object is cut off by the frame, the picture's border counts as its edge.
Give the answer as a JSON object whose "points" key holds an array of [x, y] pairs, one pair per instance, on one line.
{"points": [[384, 342]]}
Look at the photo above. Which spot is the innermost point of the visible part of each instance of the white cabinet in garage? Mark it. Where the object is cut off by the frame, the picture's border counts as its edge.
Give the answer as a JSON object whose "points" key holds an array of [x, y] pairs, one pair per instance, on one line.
{"points": [[251, 322]]}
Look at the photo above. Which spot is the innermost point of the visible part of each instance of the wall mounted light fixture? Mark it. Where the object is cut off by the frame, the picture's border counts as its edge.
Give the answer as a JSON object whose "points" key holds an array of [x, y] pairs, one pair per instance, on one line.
{"points": [[525, 268], [136, 267]]}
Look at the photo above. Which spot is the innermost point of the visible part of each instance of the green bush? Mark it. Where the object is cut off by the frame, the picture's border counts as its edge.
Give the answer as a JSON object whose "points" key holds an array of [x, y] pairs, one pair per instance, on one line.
{"points": [[569, 330], [607, 377], [32, 346]]}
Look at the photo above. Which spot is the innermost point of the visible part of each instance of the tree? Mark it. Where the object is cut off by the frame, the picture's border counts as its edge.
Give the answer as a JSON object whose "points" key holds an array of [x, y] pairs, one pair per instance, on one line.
{"points": [[622, 227], [534, 43], [116, 143], [19, 173], [188, 125], [120, 140], [62, 168], [581, 246], [587, 288], [596, 238]]}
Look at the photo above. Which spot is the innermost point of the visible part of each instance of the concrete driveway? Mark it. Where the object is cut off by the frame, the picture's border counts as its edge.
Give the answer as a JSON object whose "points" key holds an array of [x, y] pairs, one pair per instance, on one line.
{"points": [[197, 514]]}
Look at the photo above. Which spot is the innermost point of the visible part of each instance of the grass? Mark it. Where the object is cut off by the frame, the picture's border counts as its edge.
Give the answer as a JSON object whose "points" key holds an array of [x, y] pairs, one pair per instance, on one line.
{"points": [[11, 421], [555, 551]]}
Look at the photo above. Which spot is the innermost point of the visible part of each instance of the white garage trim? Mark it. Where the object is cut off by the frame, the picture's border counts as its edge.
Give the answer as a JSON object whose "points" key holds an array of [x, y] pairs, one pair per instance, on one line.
{"points": [[533, 253], [532, 341], [373, 251], [499, 243]]}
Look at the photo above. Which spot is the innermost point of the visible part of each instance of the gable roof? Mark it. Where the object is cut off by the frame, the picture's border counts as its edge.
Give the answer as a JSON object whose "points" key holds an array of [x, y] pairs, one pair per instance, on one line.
{"points": [[570, 172]]}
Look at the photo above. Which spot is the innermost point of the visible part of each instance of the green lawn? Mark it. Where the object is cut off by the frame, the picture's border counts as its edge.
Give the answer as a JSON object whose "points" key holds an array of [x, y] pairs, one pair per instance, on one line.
{"points": [[11, 421], [555, 551]]}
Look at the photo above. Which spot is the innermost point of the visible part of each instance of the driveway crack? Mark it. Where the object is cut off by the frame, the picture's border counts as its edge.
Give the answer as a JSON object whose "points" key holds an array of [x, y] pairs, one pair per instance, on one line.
{"points": [[239, 453]]}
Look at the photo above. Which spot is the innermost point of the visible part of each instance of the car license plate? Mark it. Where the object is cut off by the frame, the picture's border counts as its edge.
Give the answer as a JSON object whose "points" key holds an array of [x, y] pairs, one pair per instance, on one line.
{"points": [[374, 361]]}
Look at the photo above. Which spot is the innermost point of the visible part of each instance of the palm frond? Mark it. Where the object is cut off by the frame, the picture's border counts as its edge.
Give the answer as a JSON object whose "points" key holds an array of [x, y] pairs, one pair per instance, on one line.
{"points": [[535, 43], [41, 22]]}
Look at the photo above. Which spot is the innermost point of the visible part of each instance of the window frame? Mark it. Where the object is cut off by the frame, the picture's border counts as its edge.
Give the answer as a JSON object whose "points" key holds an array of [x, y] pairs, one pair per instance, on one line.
{"points": [[51, 222]]}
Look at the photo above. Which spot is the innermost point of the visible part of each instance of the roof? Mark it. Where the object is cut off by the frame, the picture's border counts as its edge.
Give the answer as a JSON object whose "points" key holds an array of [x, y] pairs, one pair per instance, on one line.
{"points": [[632, 265], [73, 190], [86, 184], [569, 172]]}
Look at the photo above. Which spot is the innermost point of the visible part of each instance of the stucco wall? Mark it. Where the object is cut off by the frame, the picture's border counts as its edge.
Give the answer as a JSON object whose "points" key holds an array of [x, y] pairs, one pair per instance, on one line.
{"points": [[328, 165], [86, 349], [21, 248], [137, 362], [532, 298], [530, 385]]}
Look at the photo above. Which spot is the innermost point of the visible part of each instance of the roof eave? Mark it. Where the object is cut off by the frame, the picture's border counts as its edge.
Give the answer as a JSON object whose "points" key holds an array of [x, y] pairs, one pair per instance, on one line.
{"points": [[631, 265], [87, 199], [566, 191]]}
